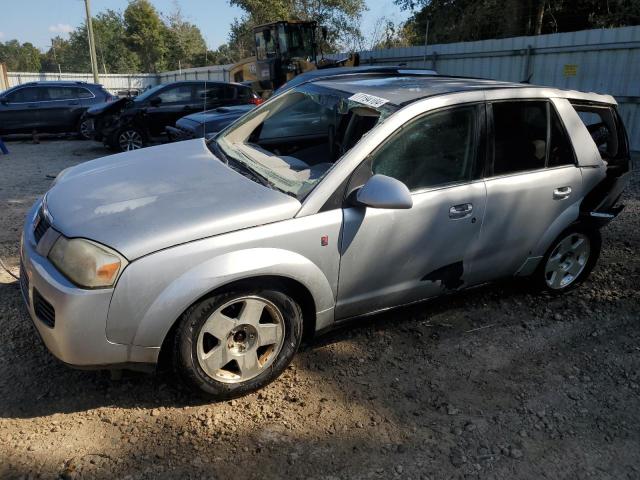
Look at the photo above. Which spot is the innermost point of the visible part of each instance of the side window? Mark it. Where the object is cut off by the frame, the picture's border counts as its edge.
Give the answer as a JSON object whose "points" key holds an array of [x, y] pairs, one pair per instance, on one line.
{"points": [[210, 94], [437, 149], [60, 93], [24, 95], [178, 94], [245, 93], [79, 92], [600, 121], [520, 136], [560, 149]]}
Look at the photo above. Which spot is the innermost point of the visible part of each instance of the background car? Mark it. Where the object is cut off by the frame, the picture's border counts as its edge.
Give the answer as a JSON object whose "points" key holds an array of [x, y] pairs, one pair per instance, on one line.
{"points": [[205, 124], [130, 124], [49, 107]]}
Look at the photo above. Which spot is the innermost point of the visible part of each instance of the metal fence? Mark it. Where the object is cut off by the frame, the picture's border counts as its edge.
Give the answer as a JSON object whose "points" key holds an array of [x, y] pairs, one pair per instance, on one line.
{"points": [[121, 82], [603, 61]]}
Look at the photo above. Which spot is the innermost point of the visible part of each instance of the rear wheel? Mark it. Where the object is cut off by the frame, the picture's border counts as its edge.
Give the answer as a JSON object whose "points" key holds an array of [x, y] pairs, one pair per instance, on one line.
{"points": [[233, 343], [569, 260], [84, 129], [130, 138]]}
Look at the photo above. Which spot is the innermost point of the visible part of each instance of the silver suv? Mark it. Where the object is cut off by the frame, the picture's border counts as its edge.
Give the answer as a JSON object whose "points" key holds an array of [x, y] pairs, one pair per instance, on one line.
{"points": [[341, 197]]}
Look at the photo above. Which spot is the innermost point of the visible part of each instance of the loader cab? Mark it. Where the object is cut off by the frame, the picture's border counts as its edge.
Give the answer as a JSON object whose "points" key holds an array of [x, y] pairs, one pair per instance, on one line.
{"points": [[284, 50]]}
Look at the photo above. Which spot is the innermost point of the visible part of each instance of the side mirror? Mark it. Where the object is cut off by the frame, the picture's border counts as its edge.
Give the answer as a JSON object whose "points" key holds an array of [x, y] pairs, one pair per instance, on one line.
{"points": [[381, 191], [154, 102]]}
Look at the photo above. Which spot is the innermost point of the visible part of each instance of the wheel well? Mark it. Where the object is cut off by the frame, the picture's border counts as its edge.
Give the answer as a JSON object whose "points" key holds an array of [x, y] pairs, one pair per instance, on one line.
{"points": [[291, 287]]}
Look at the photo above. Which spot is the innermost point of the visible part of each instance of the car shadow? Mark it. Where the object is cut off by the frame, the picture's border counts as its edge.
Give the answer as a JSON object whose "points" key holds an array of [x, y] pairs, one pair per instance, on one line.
{"points": [[37, 384]]}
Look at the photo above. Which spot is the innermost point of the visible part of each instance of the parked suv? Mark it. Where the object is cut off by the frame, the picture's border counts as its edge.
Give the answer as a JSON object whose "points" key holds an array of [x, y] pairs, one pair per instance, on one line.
{"points": [[49, 107], [130, 124], [221, 254]]}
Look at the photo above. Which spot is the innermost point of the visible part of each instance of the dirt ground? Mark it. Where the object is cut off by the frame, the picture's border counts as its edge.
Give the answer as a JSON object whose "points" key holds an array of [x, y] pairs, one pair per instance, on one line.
{"points": [[493, 383]]}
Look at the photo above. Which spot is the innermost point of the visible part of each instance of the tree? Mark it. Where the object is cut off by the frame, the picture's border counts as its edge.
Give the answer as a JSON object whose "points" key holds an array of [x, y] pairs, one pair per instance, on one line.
{"points": [[145, 35], [20, 57], [187, 46], [341, 17], [468, 20]]}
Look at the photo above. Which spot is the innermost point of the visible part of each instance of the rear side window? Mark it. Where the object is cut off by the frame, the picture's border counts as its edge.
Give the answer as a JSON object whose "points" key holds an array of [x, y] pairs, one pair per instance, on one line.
{"points": [[528, 135], [601, 123], [437, 149], [177, 94], [208, 93], [24, 95], [520, 136], [60, 93], [560, 149], [245, 93], [79, 92]]}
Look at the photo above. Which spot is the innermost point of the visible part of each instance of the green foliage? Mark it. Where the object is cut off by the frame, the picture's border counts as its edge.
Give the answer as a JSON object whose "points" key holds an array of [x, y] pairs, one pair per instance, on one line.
{"points": [[468, 20], [20, 57], [341, 17], [145, 34]]}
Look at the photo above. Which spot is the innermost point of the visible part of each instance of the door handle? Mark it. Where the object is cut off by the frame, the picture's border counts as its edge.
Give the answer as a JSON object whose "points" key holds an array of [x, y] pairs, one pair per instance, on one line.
{"points": [[461, 211], [561, 193]]}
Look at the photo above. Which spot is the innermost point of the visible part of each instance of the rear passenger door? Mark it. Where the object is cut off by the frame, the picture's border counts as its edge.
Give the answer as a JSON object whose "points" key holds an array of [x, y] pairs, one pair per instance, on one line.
{"points": [[61, 108], [533, 186]]}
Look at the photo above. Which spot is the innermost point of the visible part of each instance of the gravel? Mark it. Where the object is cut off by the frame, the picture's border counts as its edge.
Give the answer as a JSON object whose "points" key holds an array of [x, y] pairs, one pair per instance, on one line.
{"points": [[549, 388]]}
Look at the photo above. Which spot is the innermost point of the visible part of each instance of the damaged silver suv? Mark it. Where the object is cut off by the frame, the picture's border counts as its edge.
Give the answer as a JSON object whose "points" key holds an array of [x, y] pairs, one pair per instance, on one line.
{"points": [[343, 196]]}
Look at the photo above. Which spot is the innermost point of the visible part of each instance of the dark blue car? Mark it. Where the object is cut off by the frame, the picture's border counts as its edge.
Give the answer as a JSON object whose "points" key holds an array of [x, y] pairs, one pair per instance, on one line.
{"points": [[49, 107]]}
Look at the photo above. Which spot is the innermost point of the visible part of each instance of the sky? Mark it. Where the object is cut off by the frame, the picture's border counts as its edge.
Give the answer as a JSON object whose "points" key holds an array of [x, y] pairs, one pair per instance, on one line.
{"points": [[37, 21]]}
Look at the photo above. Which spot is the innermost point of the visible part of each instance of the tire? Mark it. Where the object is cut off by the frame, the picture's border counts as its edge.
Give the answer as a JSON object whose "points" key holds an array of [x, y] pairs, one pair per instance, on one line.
{"points": [[236, 342], [130, 138], [569, 260], [84, 133]]}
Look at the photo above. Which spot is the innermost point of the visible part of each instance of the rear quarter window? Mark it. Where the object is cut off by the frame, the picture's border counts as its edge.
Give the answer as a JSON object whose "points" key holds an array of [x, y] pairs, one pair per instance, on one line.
{"points": [[603, 125]]}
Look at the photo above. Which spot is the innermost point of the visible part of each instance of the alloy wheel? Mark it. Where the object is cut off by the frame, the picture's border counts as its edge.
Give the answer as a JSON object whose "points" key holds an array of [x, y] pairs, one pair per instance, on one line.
{"points": [[567, 261], [130, 140], [240, 340], [85, 129]]}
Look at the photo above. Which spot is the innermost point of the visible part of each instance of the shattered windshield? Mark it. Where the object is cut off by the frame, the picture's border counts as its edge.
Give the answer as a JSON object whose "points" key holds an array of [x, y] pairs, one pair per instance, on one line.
{"points": [[291, 142]]}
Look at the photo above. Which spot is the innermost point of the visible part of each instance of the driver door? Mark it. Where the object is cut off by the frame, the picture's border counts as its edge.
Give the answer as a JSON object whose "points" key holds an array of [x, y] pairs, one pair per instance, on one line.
{"points": [[394, 257]]}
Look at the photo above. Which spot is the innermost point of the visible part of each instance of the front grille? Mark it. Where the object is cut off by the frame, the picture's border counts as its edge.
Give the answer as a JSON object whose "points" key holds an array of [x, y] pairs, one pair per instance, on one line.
{"points": [[42, 225], [24, 283], [43, 309]]}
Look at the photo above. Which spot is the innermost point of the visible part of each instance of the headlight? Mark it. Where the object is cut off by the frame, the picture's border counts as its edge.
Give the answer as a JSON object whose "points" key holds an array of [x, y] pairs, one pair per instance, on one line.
{"points": [[86, 263]]}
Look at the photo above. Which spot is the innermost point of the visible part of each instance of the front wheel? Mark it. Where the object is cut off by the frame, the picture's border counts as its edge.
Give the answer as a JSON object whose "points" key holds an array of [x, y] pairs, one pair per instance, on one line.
{"points": [[237, 342], [130, 138], [569, 260]]}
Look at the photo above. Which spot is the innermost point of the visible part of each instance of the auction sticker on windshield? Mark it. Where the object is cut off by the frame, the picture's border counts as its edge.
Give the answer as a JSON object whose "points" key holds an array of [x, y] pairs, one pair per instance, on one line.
{"points": [[370, 100]]}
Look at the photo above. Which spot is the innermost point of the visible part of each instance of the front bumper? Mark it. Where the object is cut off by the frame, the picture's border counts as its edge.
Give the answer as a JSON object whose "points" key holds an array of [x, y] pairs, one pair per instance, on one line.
{"points": [[70, 320]]}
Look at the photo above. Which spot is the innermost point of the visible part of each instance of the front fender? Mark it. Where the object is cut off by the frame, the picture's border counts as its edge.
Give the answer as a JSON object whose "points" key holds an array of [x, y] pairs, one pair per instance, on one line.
{"points": [[146, 303]]}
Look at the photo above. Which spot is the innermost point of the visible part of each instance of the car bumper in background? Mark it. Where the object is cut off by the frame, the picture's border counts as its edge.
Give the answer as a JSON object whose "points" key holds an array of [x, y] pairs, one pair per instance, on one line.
{"points": [[71, 321], [179, 134]]}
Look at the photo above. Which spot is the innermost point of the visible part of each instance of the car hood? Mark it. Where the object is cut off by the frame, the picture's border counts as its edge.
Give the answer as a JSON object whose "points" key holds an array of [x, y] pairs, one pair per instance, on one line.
{"points": [[147, 200], [108, 107], [217, 113]]}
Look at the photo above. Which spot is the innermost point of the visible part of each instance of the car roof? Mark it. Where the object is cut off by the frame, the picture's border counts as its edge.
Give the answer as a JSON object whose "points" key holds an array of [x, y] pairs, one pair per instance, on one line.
{"points": [[401, 89], [64, 83], [405, 86]]}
